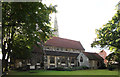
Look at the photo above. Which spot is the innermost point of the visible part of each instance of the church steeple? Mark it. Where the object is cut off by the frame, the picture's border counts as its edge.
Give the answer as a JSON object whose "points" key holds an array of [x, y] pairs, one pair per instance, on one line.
{"points": [[56, 33]]}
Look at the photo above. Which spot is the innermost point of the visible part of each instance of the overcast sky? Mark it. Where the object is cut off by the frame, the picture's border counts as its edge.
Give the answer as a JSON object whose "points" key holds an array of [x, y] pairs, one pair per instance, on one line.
{"points": [[78, 19]]}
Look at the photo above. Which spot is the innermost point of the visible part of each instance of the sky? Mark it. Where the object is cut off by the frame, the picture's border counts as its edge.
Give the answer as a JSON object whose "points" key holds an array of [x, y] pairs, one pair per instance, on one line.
{"points": [[78, 19]]}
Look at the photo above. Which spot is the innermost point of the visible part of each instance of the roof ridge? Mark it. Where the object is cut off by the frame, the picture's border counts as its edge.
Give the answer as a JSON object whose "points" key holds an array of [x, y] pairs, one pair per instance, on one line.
{"points": [[91, 52], [67, 39]]}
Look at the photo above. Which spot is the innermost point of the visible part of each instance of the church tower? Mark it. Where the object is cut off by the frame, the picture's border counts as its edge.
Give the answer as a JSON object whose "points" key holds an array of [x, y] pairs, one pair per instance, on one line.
{"points": [[56, 33]]}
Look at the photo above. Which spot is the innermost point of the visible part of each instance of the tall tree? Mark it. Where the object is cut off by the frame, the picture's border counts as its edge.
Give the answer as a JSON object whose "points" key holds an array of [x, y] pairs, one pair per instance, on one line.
{"points": [[108, 36], [25, 24]]}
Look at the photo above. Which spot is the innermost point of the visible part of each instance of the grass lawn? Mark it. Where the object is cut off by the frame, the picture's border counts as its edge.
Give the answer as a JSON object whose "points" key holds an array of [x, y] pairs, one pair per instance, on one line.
{"points": [[78, 72]]}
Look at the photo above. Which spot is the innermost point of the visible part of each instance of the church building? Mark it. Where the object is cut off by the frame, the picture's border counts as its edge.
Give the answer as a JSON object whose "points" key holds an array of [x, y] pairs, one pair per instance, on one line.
{"points": [[62, 52]]}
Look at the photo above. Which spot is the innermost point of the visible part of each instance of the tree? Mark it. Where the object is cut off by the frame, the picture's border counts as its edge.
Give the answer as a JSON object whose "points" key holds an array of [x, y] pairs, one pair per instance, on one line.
{"points": [[112, 57], [23, 25], [108, 36]]}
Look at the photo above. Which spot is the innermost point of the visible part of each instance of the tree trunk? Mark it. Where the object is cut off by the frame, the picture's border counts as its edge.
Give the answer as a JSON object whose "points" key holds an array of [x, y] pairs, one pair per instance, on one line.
{"points": [[4, 52], [42, 63], [7, 52]]}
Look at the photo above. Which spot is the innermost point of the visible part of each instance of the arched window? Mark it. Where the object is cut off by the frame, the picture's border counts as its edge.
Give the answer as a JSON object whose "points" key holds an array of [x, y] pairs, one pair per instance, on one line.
{"points": [[78, 64], [72, 60], [98, 63], [81, 59]]}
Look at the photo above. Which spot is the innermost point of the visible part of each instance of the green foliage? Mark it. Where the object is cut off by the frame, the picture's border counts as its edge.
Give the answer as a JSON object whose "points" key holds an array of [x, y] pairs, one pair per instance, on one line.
{"points": [[23, 25], [69, 68], [109, 35], [111, 67], [113, 57], [103, 66]]}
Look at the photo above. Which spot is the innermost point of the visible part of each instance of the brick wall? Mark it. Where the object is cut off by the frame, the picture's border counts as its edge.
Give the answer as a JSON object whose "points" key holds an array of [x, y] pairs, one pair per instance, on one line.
{"points": [[103, 54]]}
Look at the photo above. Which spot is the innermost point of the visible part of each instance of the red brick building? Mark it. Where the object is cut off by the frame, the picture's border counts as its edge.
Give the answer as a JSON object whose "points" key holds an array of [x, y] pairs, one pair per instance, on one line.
{"points": [[103, 54]]}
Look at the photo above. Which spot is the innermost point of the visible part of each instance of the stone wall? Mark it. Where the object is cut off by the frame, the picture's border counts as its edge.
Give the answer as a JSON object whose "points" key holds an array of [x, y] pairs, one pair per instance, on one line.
{"points": [[93, 64]]}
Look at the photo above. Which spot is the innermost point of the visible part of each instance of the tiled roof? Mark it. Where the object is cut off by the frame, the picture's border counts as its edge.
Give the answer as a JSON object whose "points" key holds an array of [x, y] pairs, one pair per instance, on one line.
{"points": [[59, 53], [93, 56], [64, 43]]}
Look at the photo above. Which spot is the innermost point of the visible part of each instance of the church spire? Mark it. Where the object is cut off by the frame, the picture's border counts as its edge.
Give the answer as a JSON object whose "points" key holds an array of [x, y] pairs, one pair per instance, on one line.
{"points": [[56, 33]]}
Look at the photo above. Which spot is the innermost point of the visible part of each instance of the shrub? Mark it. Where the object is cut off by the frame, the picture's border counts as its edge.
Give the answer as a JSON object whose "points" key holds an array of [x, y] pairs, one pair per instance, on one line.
{"points": [[57, 68], [69, 68], [85, 67], [102, 66], [77, 68], [60, 69], [25, 68], [111, 67]]}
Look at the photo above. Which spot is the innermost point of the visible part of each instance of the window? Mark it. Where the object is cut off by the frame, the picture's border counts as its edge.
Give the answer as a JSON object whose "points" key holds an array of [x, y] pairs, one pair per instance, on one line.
{"points": [[61, 49], [57, 48], [52, 59], [63, 60], [81, 59], [78, 64], [73, 49], [66, 49], [48, 48], [98, 63], [72, 60]]}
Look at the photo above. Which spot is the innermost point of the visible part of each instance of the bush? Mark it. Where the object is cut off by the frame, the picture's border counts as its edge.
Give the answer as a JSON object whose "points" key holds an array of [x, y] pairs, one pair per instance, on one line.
{"points": [[57, 68], [64, 69], [77, 68], [102, 66], [111, 67], [85, 67], [69, 68], [60, 69], [25, 68]]}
